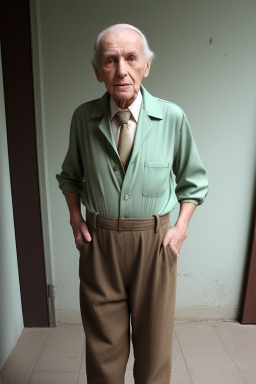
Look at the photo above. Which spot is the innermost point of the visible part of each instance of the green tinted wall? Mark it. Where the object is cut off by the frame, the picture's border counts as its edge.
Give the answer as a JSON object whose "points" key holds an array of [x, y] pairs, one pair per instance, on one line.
{"points": [[205, 62], [11, 318]]}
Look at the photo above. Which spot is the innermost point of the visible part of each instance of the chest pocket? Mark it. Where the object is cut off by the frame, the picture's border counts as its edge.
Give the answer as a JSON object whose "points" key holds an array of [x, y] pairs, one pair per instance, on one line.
{"points": [[155, 178]]}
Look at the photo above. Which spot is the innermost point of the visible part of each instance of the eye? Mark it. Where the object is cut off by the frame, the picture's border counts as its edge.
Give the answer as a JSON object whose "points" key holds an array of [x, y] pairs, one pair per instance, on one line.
{"points": [[110, 61], [131, 58]]}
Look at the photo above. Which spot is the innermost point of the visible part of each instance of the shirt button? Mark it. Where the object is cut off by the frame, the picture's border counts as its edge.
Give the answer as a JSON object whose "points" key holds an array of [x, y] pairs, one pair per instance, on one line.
{"points": [[126, 197], [115, 167]]}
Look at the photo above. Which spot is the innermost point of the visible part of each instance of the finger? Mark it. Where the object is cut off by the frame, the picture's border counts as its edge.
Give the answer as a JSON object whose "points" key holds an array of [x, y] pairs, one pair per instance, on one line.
{"points": [[85, 231], [174, 250], [166, 239], [79, 248], [80, 242]]}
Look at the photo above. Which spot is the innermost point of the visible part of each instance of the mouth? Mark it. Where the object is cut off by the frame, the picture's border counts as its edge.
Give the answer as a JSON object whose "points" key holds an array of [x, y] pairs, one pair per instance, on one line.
{"points": [[122, 86]]}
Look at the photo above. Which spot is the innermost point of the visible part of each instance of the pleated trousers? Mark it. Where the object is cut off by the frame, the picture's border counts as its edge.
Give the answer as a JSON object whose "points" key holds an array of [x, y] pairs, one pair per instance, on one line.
{"points": [[127, 293]]}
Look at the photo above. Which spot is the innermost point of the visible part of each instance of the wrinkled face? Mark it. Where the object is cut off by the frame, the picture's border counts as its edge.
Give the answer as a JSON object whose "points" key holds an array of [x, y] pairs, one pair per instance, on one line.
{"points": [[122, 65]]}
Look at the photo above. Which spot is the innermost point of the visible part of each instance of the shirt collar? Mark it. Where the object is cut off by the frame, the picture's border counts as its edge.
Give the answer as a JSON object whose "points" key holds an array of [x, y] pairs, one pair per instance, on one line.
{"points": [[152, 106], [134, 108]]}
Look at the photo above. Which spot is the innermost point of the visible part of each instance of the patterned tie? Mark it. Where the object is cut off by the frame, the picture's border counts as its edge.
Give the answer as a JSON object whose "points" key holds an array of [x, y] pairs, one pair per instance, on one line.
{"points": [[124, 144]]}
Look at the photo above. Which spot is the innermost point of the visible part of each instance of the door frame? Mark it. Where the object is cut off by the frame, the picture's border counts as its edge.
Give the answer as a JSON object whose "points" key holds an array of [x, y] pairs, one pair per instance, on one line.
{"points": [[22, 149]]}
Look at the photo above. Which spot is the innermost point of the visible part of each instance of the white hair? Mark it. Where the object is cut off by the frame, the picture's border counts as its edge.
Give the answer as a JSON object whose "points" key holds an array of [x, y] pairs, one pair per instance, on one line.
{"points": [[149, 55]]}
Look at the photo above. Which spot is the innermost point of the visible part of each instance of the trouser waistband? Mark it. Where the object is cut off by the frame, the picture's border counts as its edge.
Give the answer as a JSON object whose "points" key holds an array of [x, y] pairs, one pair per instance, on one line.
{"points": [[126, 224]]}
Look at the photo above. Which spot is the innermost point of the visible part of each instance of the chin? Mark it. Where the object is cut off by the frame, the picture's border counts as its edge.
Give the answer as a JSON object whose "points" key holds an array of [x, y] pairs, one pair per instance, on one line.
{"points": [[121, 97]]}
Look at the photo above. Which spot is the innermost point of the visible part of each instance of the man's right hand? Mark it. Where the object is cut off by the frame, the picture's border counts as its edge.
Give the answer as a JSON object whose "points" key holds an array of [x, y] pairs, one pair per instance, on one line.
{"points": [[80, 231], [79, 226]]}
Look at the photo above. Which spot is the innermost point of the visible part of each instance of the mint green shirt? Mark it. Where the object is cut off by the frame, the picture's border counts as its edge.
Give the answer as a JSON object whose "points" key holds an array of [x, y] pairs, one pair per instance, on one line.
{"points": [[164, 168]]}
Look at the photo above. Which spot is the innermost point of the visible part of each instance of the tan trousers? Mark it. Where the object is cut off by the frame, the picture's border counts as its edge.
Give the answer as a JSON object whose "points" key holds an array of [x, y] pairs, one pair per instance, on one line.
{"points": [[127, 275]]}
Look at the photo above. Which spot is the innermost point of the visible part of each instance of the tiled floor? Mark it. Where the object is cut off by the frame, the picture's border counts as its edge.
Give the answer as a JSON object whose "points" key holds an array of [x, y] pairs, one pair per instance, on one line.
{"points": [[214, 352]]}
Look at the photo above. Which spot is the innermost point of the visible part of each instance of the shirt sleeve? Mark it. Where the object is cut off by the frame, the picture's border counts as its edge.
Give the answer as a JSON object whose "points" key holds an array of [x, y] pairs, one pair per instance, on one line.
{"points": [[191, 179], [71, 178]]}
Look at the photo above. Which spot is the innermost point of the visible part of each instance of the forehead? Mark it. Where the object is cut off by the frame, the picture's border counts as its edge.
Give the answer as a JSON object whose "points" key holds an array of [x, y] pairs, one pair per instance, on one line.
{"points": [[121, 41]]}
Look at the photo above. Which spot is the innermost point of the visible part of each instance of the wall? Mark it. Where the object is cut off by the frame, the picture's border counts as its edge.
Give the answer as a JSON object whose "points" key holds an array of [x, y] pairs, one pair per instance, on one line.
{"points": [[213, 83], [11, 318]]}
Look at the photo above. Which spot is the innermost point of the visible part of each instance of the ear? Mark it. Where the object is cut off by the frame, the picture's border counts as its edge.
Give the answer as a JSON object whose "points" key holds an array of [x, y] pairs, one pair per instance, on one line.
{"points": [[147, 68], [97, 73]]}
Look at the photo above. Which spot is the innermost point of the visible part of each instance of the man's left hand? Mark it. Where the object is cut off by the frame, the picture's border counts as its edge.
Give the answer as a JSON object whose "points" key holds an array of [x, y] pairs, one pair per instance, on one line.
{"points": [[174, 238]]}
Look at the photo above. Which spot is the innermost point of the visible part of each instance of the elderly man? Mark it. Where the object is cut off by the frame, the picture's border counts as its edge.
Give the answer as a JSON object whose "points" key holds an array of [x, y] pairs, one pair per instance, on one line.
{"points": [[131, 158]]}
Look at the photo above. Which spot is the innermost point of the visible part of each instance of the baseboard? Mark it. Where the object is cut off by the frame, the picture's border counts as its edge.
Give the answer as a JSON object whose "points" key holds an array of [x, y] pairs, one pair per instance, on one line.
{"points": [[181, 314], [69, 317], [207, 313]]}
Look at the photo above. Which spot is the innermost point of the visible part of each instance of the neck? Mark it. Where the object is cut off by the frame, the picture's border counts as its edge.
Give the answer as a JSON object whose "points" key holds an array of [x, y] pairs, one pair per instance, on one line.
{"points": [[123, 104]]}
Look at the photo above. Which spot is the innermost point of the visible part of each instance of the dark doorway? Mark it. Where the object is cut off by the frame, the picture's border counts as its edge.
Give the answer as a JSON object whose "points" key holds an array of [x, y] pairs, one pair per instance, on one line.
{"points": [[21, 135]]}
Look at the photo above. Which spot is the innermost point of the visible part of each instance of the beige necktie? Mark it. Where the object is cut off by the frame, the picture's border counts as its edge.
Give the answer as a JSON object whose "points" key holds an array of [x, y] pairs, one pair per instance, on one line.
{"points": [[124, 144]]}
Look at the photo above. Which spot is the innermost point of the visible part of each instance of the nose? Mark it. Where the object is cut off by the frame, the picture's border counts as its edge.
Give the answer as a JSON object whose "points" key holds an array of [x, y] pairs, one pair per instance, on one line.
{"points": [[121, 70]]}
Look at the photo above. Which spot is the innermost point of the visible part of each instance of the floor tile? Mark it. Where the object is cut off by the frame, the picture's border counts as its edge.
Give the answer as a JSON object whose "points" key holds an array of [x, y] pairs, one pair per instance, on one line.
{"points": [[206, 357], [216, 352], [178, 362], [130, 361], [180, 378], [82, 377], [82, 366], [54, 378], [69, 327], [20, 364], [62, 351], [128, 378], [240, 341], [250, 380]]}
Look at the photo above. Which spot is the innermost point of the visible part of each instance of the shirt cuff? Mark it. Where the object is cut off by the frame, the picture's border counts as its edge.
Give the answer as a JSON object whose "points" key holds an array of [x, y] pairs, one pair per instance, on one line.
{"points": [[189, 201]]}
